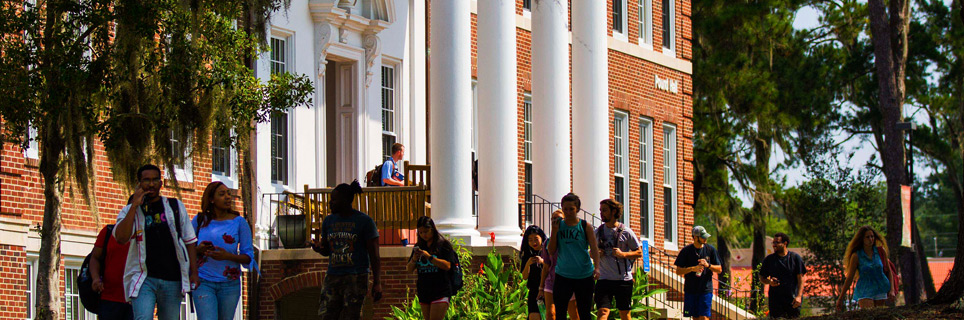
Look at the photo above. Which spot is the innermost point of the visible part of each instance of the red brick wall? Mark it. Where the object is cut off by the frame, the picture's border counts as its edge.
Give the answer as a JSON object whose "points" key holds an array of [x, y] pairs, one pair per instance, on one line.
{"points": [[12, 299]]}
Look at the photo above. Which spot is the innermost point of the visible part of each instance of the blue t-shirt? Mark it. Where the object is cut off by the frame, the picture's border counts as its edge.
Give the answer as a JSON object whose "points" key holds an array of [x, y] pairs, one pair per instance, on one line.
{"points": [[390, 171], [348, 237], [573, 250], [234, 236]]}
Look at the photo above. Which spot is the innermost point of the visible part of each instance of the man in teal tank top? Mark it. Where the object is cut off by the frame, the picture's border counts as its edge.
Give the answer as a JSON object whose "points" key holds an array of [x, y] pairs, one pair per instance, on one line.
{"points": [[575, 244]]}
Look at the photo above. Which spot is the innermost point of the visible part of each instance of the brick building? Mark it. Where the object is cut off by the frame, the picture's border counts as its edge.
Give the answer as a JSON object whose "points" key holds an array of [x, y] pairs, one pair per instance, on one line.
{"points": [[601, 105]]}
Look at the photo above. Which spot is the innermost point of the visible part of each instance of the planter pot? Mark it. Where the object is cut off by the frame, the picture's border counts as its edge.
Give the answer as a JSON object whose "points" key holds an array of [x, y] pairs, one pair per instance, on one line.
{"points": [[291, 230]]}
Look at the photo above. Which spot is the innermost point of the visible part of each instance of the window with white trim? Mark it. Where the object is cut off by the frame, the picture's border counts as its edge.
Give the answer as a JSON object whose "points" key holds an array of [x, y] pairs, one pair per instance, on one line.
{"points": [[33, 148], [620, 155], [527, 151], [669, 25], [475, 119], [619, 19], [279, 55], [527, 5], [185, 170], [670, 214], [279, 147], [645, 23], [222, 155], [389, 132], [30, 295], [73, 309], [646, 178]]}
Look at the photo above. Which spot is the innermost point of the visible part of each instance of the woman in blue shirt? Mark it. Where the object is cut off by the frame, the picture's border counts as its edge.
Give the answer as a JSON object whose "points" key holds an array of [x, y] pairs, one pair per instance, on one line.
{"points": [[865, 258], [224, 239]]}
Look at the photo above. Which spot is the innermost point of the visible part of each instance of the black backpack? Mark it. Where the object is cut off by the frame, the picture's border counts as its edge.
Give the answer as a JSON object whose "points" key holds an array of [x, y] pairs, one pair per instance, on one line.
{"points": [[374, 177], [456, 277], [88, 297]]}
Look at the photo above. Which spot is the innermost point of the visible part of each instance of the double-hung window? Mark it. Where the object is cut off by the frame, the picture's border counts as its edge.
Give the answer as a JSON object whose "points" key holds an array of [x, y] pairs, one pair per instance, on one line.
{"points": [[669, 26], [279, 119], [646, 178], [527, 152], [30, 295], [389, 134], [645, 19], [620, 160], [73, 309], [670, 211], [619, 19], [181, 149]]}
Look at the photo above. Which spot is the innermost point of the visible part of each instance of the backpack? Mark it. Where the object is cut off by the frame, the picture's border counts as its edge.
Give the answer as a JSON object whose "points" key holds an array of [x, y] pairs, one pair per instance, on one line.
{"points": [[88, 297], [374, 177], [626, 264], [455, 278]]}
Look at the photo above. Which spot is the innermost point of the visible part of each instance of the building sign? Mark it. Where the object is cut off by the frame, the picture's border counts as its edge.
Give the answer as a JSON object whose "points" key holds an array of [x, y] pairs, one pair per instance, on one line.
{"points": [[905, 194], [667, 84], [645, 248]]}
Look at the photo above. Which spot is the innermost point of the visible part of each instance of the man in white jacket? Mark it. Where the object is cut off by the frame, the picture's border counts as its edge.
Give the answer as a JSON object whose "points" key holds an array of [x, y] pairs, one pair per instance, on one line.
{"points": [[161, 265]]}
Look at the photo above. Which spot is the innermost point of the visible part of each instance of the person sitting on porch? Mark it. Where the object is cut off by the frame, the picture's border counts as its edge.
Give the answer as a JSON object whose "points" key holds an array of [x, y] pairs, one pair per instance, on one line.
{"points": [[390, 174]]}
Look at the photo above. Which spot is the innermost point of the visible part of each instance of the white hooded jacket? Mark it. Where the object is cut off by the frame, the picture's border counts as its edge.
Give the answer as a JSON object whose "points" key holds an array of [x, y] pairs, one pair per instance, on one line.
{"points": [[135, 271]]}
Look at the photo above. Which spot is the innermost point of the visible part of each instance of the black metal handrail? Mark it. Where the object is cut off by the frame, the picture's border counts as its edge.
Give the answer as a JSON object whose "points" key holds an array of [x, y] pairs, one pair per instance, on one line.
{"points": [[538, 211]]}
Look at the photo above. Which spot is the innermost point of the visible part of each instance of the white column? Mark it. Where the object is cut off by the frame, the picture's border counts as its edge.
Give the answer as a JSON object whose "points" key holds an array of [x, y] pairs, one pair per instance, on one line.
{"points": [[451, 115], [498, 132], [590, 101], [550, 100]]}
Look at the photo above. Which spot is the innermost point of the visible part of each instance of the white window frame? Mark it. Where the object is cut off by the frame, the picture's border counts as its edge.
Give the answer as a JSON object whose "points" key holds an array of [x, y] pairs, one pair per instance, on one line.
{"points": [[621, 159], [72, 265], [286, 44], [624, 19], [31, 287], [185, 172], [229, 178], [645, 22], [527, 127], [671, 50], [646, 172], [670, 181], [33, 148], [475, 118], [282, 184], [527, 12], [395, 103]]}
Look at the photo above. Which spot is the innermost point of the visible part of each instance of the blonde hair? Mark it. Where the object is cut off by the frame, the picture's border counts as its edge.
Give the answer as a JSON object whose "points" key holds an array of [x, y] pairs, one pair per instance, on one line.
{"points": [[857, 243]]}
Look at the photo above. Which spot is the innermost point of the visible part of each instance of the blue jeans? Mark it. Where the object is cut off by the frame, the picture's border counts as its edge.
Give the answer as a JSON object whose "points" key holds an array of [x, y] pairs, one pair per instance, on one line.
{"points": [[164, 294], [216, 300]]}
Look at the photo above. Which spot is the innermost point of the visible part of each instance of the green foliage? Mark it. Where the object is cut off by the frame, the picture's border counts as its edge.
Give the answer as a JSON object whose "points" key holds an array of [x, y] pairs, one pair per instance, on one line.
{"points": [[411, 310], [642, 290], [824, 213]]}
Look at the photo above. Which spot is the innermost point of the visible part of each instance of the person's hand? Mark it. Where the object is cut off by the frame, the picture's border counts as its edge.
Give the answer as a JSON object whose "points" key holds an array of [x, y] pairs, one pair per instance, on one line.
{"points": [[839, 305], [698, 270], [595, 272], [203, 247], [555, 224], [97, 285], [891, 296], [539, 260], [376, 291], [774, 282], [318, 245], [194, 279], [704, 264], [618, 253], [541, 294], [218, 253], [797, 301], [138, 197]]}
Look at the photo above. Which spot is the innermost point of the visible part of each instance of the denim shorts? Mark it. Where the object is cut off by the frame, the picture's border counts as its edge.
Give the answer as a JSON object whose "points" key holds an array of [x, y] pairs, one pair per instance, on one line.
{"points": [[697, 304]]}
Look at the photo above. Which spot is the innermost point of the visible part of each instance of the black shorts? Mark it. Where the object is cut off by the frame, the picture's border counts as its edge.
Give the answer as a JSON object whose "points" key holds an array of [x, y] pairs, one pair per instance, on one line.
{"points": [[607, 290], [783, 308], [532, 300]]}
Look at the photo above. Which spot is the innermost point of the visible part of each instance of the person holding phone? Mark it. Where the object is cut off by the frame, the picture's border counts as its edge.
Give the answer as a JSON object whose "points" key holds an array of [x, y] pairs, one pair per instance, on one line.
{"points": [[531, 266], [783, 271], [433, 256], [349, 238], [161, 264], [577, 265], [225, 245]]}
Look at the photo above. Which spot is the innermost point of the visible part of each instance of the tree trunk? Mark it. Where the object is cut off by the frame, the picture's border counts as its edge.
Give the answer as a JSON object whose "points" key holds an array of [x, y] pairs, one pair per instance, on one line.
{"points": [[48, 268], [890, 50], [723, 249], [249, 183], [761, 209], [925, 269]]}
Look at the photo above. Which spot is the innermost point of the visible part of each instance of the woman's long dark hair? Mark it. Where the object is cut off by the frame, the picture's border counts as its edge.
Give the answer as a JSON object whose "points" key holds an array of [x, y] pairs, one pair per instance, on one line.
{"points": [[526, 251], [438, 242], [344, 195], [207, 208]]}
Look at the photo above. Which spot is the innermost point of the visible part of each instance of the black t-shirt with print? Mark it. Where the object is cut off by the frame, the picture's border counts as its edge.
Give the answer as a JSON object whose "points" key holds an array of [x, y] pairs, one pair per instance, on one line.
{"points": [[161, 258], [433, 282]]}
